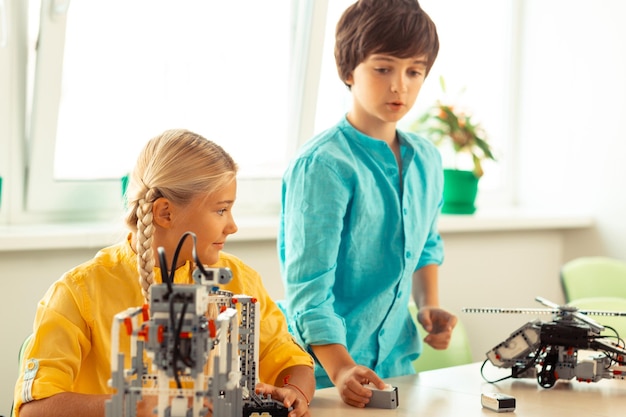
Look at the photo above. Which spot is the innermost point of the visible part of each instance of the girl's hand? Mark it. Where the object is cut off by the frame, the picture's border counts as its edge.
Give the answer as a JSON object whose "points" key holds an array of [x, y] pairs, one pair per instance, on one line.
{"points": [[290, 397]]}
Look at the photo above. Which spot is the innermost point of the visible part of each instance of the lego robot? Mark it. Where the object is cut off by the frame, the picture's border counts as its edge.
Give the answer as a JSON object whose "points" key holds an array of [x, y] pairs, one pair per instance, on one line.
{"points": [[189, 361], [549, 351]]}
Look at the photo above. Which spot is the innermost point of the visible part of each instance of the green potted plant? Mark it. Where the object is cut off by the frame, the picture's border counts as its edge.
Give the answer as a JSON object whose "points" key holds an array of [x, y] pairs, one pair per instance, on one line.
{"points": [[463, 145]]}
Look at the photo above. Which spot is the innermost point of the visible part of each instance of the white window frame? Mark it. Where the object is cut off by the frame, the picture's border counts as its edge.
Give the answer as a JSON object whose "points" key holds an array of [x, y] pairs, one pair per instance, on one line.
{"points": [[47, 200], [13, 17], [74, 199], [7, 101]]}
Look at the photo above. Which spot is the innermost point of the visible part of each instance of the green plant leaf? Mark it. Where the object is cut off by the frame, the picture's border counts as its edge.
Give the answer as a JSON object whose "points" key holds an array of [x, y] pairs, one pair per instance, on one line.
{"points": [[484, 146], [442, 83]]}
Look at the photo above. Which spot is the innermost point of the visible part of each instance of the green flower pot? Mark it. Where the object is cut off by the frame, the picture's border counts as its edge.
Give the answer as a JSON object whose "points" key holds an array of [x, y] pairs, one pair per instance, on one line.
{"points": [[459, 192], [124, 181]]}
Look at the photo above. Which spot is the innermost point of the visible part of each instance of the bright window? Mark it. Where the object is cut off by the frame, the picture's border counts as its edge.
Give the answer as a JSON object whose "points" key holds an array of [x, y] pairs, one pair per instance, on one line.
{"points": [[109, 75], [135, 68]]}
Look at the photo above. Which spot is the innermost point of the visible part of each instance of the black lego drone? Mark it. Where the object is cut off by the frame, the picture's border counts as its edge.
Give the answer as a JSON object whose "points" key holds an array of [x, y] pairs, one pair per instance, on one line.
{"points": [[549, 351]]}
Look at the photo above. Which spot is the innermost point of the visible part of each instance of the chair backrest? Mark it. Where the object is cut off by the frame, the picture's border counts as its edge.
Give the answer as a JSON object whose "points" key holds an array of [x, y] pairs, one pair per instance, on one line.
{"points": [[20, 357], [457, 353], [593, 276], [614, 304]]}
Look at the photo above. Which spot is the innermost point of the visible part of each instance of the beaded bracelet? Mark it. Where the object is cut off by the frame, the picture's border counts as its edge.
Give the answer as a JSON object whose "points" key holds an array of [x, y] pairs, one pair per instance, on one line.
{"points": [[286, 383]]}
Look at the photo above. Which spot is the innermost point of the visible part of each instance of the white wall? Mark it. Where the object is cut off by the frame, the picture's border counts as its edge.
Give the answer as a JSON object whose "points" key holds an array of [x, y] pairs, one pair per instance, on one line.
{"points": [[572, 143], [499, 269]]}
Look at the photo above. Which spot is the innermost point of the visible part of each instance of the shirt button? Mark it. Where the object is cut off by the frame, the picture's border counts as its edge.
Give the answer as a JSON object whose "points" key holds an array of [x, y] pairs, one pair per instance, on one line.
{"points": [[408, 255], [405, 211], [382, 332]]}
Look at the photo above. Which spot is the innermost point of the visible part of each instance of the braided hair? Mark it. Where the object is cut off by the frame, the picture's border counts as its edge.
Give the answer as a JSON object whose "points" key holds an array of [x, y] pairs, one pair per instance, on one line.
{"points": [[177, 165]]}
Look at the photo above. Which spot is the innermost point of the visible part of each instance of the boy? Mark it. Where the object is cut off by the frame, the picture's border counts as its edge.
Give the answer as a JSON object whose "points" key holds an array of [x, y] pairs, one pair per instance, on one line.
{"points": [[361, 201]]}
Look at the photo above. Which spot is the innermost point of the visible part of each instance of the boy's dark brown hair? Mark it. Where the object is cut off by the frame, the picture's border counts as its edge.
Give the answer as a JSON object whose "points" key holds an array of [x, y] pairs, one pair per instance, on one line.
{"points": [[394, 27]]}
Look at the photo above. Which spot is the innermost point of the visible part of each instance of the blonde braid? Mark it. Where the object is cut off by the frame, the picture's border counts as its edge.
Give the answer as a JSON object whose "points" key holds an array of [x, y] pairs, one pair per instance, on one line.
{"points": [[145, 232]]}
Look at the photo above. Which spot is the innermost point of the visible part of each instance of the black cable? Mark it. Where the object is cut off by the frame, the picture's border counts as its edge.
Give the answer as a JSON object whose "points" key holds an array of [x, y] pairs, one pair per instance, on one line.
{"points": [[486, 380], [524, 369], [185, 359], [164, 269], [178, 249], [620, 341], [194, 254], [547, 376], [172, 300], [168, 278]]}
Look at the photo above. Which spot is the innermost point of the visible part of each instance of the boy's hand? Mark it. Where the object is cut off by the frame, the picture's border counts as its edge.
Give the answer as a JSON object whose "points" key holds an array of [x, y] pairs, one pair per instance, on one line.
{"points": [[350, 385], [439, 324]]}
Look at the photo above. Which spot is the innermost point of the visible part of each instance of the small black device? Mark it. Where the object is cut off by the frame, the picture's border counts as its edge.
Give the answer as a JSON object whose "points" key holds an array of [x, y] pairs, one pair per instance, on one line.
{"points": [[497, 402]]}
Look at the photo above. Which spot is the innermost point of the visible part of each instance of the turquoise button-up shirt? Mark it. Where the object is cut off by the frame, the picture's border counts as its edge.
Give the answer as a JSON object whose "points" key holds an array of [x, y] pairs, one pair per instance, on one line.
{"points": [[353, 230]]}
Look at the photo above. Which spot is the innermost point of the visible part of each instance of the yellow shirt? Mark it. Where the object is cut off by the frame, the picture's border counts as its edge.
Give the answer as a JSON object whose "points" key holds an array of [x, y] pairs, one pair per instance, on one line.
{"points": [[70, 350]]}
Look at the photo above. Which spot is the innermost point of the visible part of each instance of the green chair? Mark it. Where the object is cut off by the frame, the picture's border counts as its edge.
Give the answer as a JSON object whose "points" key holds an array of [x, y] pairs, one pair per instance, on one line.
{"points": [[20, 356], [617, 304], [593, 276], [457, 353]]}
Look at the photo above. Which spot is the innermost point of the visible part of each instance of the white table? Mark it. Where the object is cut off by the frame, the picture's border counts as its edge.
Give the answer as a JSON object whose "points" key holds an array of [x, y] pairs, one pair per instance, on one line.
{"points": [[456, 392]]}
